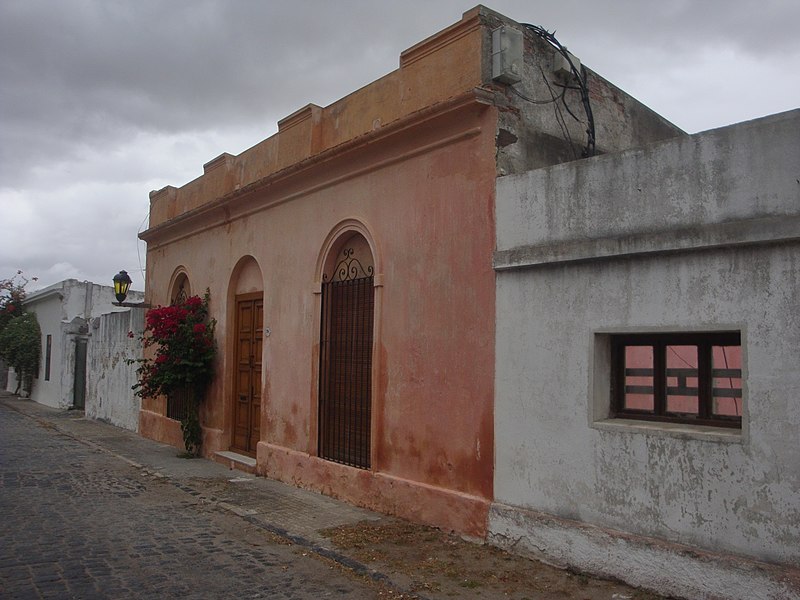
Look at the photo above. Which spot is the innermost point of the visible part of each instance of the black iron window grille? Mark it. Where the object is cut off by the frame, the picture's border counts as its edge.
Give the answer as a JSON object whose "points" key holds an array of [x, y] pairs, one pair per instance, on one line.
{"points": [[178, 404], [345, 385]]}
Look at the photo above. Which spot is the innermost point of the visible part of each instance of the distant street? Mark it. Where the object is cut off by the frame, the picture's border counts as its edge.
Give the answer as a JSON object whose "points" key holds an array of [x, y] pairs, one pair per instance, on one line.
{"points": [[76, 522]]}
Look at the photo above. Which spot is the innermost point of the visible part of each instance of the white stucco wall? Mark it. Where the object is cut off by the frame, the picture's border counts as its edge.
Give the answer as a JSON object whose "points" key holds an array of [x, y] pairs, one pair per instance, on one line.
{"points": [[47, 388], [697, 233], [109, 395]]}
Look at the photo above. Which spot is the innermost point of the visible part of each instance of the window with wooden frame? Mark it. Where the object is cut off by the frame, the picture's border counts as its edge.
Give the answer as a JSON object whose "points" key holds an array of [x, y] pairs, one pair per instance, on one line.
{"points": [[678, 377]]}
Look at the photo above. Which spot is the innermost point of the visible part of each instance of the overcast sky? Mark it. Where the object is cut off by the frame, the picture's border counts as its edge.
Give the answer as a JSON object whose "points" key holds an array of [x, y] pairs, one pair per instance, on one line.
{"points": [[102, 101]]}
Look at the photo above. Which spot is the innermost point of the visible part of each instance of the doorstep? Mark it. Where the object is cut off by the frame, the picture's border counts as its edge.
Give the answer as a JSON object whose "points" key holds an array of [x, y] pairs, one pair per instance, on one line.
{"points": [[233, 460]]}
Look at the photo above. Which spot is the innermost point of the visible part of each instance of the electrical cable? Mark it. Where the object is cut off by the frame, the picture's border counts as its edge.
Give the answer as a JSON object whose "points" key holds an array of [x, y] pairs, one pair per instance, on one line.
{"points": [[566, 87], [138, 251], [562, 124], [583, 87], [531, 100], [564, 100], [571, 114]]}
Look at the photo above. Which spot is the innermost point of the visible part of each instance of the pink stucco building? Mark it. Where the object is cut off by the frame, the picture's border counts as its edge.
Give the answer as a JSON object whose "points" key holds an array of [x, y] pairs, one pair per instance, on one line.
{"points": [[349, 262]]}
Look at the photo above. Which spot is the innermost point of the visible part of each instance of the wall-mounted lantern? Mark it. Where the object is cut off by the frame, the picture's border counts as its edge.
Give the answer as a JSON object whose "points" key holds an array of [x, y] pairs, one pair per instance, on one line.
{"points": [[122, 281]]}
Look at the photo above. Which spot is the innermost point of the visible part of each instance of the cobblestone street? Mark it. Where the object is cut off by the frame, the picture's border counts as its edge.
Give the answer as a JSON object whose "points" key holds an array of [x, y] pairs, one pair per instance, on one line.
{"points": [[79, 523]]}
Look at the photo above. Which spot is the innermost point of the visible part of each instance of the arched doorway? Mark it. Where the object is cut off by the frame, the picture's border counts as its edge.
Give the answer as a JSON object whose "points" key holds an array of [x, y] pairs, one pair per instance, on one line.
{"points": [[346, 338], [248, 332]]}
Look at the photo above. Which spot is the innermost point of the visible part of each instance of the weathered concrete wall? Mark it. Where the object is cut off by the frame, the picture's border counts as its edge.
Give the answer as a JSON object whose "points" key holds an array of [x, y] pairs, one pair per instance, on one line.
{"points": [[109, 395], [697, 233], [536, 131]]}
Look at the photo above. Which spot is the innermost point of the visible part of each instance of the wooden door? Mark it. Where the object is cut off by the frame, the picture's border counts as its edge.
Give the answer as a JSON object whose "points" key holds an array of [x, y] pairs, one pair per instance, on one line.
{"points": [[247, 388], [79, 392]]}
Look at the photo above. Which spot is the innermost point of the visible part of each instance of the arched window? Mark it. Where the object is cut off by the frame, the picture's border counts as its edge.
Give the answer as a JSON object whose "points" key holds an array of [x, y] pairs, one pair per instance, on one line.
{"points": [[180, 290], [345, 382]]}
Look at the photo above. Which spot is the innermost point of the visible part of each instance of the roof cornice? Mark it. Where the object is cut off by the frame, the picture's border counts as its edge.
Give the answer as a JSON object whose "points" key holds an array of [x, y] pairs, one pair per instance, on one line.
{"points": [[240, 202]]}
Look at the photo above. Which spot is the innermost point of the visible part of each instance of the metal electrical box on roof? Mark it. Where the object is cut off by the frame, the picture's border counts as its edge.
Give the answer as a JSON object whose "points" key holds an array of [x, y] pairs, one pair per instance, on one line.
{"points": [[507, 55], [561, 64]]}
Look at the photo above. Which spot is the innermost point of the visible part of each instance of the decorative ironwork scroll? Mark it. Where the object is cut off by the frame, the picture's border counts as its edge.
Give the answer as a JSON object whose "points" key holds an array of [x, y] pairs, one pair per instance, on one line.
{"points": [[181, 296], [349, 268]]}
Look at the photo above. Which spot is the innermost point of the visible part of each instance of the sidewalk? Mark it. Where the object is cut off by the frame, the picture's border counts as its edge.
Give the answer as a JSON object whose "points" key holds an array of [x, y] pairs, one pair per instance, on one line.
{"points": [[416, 561], [293, 513]]}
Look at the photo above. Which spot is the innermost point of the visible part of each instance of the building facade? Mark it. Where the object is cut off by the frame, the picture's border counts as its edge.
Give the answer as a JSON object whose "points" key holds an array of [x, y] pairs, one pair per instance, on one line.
{"points": [[349, 263]]}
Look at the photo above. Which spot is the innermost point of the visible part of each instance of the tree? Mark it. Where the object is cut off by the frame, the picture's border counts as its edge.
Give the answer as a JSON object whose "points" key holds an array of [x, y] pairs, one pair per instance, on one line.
{"points": [[20, 335], [21, 346], [12, 294]]}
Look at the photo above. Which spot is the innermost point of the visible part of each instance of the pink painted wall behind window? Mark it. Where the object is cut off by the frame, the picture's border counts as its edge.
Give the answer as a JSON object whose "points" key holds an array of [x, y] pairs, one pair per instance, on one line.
{"points": [[681, 361]]}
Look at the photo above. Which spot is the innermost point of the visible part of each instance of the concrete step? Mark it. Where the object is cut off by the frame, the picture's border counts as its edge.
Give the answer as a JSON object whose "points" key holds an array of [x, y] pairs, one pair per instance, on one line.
{"points": [[234, 460]]}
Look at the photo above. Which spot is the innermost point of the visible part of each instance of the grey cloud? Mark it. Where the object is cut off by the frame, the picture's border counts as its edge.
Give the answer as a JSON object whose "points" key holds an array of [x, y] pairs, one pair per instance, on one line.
{"points": [[104, 100], [93, 72]]}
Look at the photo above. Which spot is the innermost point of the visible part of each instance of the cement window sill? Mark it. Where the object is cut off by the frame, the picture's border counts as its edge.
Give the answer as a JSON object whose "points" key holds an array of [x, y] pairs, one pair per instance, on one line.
{"points": [[672, 430]]}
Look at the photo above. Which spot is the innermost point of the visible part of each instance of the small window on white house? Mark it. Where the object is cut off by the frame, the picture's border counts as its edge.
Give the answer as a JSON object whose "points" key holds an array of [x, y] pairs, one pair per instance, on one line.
{"points": [[47, 355], [678, 377]]}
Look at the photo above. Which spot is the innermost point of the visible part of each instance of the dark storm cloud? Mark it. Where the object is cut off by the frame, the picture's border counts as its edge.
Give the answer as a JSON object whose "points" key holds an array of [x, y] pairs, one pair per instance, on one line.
{"points": [[78, 72], [81, 73], [767, 27]]}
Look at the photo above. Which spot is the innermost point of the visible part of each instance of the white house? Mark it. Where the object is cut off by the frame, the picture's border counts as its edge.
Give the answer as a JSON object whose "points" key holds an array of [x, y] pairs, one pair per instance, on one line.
{"points": [[64, 311]]}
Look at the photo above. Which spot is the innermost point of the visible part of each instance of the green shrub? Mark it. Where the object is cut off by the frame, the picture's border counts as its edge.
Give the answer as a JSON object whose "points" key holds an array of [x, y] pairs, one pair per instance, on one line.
{"points": [[21, 346]]}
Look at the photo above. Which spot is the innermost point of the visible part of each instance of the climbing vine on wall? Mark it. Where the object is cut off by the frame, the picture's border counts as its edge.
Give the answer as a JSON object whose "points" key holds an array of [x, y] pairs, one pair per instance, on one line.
{"points": [[182, 339]]}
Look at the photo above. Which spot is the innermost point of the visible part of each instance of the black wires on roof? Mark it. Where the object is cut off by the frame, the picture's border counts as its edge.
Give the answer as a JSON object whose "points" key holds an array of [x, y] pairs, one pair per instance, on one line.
{"points": [[582, 86]]}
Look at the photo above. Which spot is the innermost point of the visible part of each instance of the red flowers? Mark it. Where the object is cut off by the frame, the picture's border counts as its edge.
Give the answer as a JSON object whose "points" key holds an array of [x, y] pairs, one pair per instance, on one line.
{"points": [[194, 302], [183, 338], [163, 322]]}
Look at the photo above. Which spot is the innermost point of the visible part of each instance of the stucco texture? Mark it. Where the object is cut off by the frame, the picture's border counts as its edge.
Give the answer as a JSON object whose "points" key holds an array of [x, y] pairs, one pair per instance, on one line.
{"points": [[430, 224]]}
